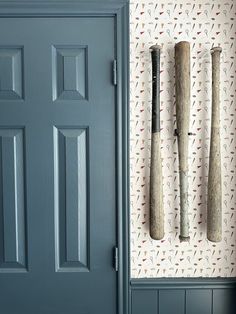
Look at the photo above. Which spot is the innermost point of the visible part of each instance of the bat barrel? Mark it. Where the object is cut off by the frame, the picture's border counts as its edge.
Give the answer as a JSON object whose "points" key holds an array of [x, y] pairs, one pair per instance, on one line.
{"points": [[214, 198], [156, 184], [182, 85]]}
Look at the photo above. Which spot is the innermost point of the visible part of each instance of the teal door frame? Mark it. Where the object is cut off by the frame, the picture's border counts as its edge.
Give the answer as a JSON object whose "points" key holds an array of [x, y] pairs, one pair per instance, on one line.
{"points": [[120, 11]]}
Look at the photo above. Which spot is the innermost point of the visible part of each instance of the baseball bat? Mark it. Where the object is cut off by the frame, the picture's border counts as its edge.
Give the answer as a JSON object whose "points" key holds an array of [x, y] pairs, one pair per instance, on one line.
{"points": [[182, 86], [214, 199], [156, 185]]}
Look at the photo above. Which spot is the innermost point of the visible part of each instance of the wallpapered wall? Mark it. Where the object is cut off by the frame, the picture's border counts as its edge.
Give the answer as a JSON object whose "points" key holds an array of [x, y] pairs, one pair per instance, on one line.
{"points": [[205, 24]]}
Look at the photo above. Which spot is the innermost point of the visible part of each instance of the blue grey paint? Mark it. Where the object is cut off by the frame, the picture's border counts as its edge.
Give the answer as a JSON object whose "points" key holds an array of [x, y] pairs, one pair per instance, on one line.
{"points": [[11, 73], [119, 10], [172, 301], [71, 194], [199, 301], [75, 121], [122, 110], [184, 296], [70, 72], [13, 255], [224, 301], [144, 302]]}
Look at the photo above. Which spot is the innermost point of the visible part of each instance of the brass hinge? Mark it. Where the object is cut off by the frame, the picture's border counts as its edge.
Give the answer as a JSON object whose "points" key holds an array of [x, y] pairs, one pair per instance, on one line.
{"points": [[116, 258], [115, 72]]}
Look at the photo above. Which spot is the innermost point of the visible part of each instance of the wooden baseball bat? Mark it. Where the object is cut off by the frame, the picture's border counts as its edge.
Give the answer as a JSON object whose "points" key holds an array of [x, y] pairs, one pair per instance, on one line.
{"points": [[214, 202], [156, 187], [182, 78]]}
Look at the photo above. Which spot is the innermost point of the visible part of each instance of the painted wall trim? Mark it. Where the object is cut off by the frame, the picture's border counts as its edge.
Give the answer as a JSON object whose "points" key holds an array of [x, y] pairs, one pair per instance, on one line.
{"points": [[182, 283], [122, 93], [60, 8], [183, 296]]}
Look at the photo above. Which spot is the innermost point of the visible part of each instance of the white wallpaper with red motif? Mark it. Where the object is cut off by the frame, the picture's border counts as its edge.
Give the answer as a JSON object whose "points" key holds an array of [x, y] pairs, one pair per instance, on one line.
{"points": [[205, 24]]}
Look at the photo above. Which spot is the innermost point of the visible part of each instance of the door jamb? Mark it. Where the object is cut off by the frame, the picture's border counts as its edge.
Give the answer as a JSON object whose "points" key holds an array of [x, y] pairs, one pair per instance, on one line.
{"points": [[120, 11], [122, 19]]}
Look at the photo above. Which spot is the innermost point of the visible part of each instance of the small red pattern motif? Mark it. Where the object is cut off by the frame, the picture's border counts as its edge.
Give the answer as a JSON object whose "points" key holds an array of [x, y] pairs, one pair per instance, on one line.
{"points": [[205, 24]]}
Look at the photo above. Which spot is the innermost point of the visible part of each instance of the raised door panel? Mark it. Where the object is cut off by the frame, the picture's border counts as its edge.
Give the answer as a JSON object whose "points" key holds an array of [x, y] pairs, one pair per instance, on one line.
{"points": [[12, 206], [11, 73], [70, 74], [71, 208]]}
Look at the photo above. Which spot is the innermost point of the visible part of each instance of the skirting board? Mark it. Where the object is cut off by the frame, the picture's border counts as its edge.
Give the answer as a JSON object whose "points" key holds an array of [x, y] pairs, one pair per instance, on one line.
{"points": [[183, 296]]}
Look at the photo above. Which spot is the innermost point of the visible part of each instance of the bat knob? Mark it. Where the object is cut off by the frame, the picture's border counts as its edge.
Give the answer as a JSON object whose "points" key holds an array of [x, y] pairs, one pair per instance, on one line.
{"points": [[216, 49], [176, 133], [184, 239], [155, 48]]}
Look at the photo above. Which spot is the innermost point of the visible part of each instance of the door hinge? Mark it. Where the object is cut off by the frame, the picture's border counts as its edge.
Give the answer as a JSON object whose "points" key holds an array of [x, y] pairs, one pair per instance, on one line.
{"points": [[115, 72], [116, 258]]}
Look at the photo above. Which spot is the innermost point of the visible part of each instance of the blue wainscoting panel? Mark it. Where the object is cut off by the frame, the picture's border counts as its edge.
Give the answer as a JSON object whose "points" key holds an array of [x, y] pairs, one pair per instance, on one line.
{"points": [[145, 302], [172, 301], [183, 296], [224, 301], [199, 301]]}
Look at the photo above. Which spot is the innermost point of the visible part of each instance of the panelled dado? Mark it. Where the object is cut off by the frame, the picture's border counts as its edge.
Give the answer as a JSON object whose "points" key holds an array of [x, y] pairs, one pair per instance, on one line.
{"points": [[183, 296]]}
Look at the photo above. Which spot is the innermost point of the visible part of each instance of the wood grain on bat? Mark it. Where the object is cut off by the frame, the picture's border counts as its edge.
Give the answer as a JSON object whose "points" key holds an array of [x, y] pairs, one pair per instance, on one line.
{"points": [[214, 199], [182, 83]]}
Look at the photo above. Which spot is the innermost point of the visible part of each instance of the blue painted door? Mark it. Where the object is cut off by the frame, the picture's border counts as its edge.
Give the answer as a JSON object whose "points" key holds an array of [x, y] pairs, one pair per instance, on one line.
{"points": [[57, 166]]}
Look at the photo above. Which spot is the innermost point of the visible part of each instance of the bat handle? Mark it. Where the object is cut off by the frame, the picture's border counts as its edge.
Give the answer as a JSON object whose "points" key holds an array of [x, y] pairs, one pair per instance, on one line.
{"points": [[155, 52], [156, 190]]}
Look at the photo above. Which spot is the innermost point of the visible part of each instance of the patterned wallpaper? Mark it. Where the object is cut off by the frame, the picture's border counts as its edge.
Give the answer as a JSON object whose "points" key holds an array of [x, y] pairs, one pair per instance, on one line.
{"points": [[204, 24]]}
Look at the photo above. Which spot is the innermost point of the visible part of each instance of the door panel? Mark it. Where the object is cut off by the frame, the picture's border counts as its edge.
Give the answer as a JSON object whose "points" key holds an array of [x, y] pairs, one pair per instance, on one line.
{"points": [[11, 73], [70, 154], [12, 216], [57, 173], [70, 72]]}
